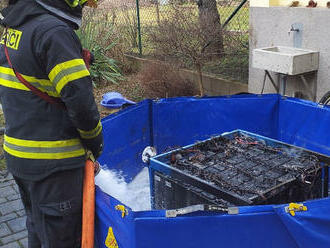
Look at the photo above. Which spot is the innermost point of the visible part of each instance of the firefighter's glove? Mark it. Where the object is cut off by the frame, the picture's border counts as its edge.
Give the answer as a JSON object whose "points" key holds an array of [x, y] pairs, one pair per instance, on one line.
{"points": [[97, 166], [94, 145]]}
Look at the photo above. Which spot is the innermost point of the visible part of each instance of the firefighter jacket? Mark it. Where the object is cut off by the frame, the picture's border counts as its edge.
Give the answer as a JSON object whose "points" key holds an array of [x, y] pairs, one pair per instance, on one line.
{"points": [[41, 138]]}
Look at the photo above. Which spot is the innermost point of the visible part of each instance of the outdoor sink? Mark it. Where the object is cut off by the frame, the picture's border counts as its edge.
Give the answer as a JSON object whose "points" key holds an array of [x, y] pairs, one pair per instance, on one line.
{"points": [[285, 60]]}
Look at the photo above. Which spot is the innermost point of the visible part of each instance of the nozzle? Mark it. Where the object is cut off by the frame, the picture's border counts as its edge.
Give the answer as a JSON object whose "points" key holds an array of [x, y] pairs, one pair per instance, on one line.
{"points": [[97, 168]]}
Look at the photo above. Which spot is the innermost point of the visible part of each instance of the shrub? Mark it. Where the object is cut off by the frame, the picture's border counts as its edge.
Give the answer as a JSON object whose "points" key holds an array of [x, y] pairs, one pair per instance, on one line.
{"points": [[187, 38], [160, 81], [97, 35]]}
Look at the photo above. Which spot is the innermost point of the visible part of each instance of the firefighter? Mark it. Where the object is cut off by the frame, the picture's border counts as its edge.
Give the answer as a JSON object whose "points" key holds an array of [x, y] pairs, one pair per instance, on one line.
{"points": [[50, 113]]}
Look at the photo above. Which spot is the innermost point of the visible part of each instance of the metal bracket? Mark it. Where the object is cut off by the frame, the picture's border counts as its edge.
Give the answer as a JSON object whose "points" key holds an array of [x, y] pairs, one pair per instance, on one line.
{"points": [[195, 208], [267, 74], [295, 207], [122, 209], [233, 210]]}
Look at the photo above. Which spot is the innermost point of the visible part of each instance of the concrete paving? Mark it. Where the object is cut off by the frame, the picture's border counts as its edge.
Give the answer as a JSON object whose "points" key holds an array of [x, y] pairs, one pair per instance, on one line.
{"points": [[13, 232]]}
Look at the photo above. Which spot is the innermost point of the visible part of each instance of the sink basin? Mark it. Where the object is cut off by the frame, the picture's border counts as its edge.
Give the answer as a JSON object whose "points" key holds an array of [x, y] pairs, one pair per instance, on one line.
{"points": [[285, 60]]}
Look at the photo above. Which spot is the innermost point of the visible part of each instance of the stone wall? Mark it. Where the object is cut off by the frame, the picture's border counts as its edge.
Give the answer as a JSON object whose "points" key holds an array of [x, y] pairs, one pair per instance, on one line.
{"points": [[213, 85]]}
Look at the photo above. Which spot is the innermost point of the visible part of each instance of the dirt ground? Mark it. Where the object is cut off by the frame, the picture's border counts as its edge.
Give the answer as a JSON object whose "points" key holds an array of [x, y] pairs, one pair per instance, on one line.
{"points": [[129, 88]]}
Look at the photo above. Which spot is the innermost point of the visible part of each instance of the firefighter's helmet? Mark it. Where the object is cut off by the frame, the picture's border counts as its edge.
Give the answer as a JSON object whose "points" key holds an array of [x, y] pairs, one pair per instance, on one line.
{"points": [[75, 3]]}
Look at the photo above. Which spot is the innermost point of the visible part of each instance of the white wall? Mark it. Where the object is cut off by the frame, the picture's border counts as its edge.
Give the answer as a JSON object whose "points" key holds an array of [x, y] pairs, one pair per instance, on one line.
{"points": [[284, 3], [269, 26]]}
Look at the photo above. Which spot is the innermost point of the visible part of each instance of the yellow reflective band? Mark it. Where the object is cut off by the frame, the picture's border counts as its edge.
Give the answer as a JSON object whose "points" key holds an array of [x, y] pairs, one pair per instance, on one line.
{"points": [[28, 155], [10, 82], [43, 149], [66, 72], [9, 79], [92, 133], [32, 143]]}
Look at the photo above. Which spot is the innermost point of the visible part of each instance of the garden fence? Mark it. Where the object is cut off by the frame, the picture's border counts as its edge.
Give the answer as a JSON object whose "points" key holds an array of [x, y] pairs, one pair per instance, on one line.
{"points": [[134, 19]]}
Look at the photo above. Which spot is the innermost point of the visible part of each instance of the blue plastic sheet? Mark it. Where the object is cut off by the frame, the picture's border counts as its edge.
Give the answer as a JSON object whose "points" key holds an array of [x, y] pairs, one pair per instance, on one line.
{"points": [[310, 228], [304, 124], [126, 134], [169, 123], [182, 121]]}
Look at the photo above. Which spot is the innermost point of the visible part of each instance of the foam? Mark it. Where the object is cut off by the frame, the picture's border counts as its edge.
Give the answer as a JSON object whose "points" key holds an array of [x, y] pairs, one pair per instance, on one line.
{"points": [[135, 194]]}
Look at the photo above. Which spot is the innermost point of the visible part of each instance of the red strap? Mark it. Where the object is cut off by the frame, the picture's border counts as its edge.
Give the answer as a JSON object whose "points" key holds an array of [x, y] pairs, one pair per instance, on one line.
{"points": [[87, 57], [36, 91]]}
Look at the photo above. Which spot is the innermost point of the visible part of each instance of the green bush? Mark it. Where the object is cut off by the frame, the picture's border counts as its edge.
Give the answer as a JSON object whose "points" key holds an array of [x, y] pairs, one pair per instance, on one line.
{"points": [[96, 35]]}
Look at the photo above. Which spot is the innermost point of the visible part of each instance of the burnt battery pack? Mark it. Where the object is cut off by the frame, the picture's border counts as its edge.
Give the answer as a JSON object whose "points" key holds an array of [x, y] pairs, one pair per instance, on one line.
{"points": [[172, 194], [236, 169]]}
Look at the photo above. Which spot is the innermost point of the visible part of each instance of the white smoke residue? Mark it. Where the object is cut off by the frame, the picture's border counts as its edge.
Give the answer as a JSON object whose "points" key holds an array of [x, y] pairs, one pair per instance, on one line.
{"points": [[135, 194]]}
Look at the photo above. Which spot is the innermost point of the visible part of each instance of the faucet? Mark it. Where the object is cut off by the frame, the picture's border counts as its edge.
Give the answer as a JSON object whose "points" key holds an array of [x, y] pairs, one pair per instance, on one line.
{"points": [[293, 29]]}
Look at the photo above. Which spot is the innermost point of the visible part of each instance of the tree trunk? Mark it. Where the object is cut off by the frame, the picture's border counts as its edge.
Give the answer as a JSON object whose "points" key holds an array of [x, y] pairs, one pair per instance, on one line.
{"points": [[157, 12], [209, 19], [200, 79]]}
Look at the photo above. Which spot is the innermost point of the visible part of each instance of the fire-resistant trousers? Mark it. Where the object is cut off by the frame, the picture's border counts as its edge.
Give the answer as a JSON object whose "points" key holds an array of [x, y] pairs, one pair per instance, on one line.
{"points": [[53, 207]]}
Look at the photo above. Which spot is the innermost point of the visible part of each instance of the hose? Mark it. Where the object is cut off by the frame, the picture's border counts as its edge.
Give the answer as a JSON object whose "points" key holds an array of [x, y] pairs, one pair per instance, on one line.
{"points": [[88, 214]]}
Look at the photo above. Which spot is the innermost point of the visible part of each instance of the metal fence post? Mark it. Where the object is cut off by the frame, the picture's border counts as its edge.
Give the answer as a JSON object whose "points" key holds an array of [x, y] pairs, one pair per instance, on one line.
{"points": [[234, 13], [139, 26]]}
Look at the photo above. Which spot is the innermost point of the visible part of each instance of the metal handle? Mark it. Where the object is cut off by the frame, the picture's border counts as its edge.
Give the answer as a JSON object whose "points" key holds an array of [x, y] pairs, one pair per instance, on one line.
{"points": [[195, 208]]}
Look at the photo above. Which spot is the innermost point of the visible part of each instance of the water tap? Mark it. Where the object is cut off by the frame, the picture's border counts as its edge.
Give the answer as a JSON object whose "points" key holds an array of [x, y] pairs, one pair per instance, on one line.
{"points": [[293, 29]]}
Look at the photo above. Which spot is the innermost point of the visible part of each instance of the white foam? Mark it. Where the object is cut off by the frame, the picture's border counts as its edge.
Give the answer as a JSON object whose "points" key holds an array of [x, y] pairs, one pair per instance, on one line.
{"points": [[135, 194]]}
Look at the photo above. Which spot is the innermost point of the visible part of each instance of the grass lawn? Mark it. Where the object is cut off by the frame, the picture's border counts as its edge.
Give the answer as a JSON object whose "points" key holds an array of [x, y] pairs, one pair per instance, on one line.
{"points": [[148, 16]]}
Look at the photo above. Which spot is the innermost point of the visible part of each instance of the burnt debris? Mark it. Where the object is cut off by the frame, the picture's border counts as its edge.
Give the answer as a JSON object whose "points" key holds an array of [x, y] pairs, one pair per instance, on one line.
{"points": [[247, 169]]}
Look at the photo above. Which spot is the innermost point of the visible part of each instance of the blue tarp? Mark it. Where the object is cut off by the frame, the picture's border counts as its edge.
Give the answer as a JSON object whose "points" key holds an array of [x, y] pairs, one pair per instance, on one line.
{"points": [[171, 123]]}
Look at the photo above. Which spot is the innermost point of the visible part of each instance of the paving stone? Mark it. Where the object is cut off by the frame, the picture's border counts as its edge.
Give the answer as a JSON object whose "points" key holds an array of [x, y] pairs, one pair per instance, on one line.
{"points": [[7, 191], [16, 188], [17, 225], [14, 237], [6, 208], [4, 230], [21, 212], [13, 197], [12, 245], [24, 242], [8, 217], [13, 232], [6, 183], [8, 178]]}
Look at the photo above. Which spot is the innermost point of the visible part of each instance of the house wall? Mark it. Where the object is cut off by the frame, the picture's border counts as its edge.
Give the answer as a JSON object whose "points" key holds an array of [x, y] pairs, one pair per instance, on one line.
{"points": [[270, 26], [286, 3]]}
